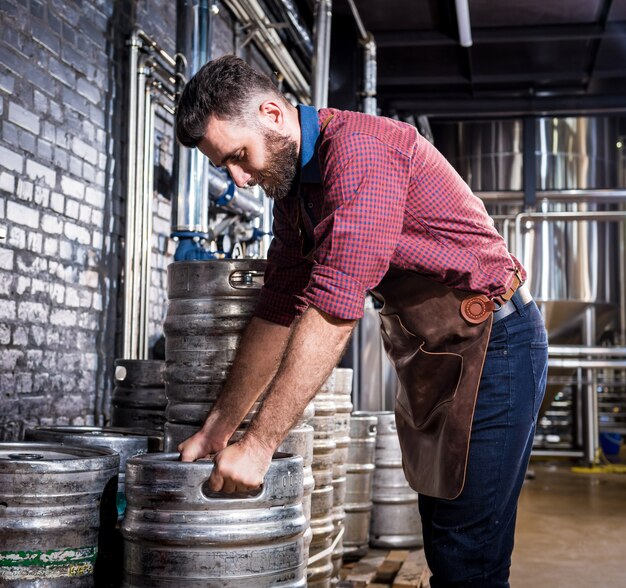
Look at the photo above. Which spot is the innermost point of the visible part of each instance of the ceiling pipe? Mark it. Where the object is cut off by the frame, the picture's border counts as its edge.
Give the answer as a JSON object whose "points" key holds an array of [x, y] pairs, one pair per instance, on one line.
{"points": [[463, 22], [254, 19]]}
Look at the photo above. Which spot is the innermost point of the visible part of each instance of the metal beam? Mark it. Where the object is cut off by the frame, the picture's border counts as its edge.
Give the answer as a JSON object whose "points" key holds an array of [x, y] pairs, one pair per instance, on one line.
{"points": [[547, 33], [465, 107]]}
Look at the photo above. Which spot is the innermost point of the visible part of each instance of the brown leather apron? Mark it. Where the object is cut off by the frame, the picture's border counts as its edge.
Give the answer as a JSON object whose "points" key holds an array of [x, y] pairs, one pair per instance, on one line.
{"points": [[439, 357]]}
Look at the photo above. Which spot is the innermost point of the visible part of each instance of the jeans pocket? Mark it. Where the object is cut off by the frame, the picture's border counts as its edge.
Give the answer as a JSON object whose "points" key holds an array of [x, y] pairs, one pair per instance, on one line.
{"points": [[539, 362]]}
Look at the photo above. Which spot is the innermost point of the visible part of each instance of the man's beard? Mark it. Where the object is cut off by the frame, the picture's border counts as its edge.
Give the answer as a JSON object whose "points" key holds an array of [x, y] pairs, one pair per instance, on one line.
{"points": [[282, 160]]}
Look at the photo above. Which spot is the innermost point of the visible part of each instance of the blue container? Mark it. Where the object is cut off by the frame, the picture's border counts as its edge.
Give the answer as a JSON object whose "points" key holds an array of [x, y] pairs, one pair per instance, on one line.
{"points": [[611, 443]]}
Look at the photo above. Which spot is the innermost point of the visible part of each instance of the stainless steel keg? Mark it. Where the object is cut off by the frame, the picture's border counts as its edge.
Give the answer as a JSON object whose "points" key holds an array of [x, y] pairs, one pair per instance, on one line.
{"points": [[395, 519], [125, 442], [359, 480], [138, 399], [342, 393], [57, 511], [179, 533], [210, 305]]}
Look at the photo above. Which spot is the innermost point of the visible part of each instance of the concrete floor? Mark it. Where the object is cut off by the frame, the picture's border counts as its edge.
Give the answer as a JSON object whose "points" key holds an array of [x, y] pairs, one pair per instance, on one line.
{"points": [[571, 530]]}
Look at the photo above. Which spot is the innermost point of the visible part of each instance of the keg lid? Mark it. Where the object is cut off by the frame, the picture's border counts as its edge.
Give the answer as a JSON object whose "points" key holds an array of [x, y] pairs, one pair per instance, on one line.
{"points": [[20, 456]]}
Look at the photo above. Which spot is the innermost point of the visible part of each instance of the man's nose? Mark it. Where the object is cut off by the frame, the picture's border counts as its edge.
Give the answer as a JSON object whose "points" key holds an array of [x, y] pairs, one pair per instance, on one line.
{"points": [[240, 177]]}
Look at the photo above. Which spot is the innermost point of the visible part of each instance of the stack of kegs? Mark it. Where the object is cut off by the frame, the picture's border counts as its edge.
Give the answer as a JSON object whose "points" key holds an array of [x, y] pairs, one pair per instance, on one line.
{"points": [[210, 304], [139, 395], [125, 442], [395, 514], [359, 481], [320, 567], [342, 392], [177, 532], [58, 515]]}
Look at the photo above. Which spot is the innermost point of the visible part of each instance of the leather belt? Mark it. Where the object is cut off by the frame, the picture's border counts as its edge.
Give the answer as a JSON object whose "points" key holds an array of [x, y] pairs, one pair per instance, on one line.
{"points": [[522, 296]]}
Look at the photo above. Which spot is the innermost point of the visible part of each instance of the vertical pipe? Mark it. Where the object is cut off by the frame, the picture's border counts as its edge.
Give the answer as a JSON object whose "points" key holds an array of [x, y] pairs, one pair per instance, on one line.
{"points": [[135, 277], [369, 75], [130, 195], [590, 397], [146, 238], [321, 53], [622, 283], [190, 210]]}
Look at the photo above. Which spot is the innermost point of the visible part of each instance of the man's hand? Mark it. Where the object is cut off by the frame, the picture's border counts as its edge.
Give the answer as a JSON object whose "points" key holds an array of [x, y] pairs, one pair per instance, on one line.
{"points": [[201, 445], [241, 466]]}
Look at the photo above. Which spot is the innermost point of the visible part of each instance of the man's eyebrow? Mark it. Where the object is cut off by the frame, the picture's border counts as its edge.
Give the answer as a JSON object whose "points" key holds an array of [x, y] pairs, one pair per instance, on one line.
{"points": [[226, 158]]}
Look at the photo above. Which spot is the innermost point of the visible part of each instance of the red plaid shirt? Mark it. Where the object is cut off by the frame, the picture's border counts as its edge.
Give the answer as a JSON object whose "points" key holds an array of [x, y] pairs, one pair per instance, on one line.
{"points": [[382, 197]]}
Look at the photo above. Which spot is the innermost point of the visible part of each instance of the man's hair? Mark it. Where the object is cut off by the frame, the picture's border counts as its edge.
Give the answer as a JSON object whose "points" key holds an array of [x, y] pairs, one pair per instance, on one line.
{"points": [[223, 88]]}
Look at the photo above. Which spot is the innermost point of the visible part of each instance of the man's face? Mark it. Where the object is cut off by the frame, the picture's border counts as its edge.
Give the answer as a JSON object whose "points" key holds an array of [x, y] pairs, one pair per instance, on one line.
{"points": [[253, 154]]}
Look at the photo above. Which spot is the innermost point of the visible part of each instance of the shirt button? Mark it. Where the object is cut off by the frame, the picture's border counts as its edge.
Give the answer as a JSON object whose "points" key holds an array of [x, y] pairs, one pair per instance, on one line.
{"points": [[310, 205]]}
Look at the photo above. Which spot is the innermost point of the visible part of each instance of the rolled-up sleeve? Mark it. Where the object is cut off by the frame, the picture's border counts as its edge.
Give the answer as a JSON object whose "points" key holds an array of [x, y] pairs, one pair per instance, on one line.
{"points": [[287, 272], [365, 189]]}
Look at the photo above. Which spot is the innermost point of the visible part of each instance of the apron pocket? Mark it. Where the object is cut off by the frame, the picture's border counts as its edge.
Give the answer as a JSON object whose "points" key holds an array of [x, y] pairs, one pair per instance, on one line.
{"points": [[428, 379]]}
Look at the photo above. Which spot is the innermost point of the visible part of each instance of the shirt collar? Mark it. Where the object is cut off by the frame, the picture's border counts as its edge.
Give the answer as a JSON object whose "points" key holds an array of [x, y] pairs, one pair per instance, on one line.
{"points": [[309, 143]]}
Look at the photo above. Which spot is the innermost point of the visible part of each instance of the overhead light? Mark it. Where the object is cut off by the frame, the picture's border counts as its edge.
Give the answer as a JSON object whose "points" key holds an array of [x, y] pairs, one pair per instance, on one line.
{"points": [[463, 21]]}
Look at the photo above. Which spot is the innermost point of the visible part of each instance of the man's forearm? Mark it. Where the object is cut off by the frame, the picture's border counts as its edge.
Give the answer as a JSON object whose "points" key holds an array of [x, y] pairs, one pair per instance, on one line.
{"points": [[258, 357], [313, 350]]}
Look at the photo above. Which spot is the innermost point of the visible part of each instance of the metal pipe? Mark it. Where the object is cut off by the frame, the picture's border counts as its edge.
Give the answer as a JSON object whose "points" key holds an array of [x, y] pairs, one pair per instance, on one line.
{"points": [[556, 216], [577, 351], [130, 195], [369, 76], [622, 284], [252, 16], [295, 21], [359, 23], [146, 265], [224, 193], [463, 22], [609, 364], [597, 196], [190, 209], [557, 453], [321, 52], [590, 398]]}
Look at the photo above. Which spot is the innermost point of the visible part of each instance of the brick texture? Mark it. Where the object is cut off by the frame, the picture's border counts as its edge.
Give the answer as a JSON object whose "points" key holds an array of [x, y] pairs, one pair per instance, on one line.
{"points": [[63, 87]]}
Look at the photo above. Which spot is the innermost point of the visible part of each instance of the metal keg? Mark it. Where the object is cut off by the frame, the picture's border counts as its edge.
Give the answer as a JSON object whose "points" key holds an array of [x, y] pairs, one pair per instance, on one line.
{"points": [[57, 514], [179, 533], [210, 305], [139, 395], [125, 442], [342, 392], [359, 480], [395, 519], [320, 566]]}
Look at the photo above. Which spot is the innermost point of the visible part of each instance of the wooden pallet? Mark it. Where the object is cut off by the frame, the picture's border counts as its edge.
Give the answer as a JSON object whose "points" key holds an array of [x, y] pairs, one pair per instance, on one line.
{"points": [[393, 569]]}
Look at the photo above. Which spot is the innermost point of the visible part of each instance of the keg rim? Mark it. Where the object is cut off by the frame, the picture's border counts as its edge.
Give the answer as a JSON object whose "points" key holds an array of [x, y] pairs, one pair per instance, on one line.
{"points": [[79, 458]]}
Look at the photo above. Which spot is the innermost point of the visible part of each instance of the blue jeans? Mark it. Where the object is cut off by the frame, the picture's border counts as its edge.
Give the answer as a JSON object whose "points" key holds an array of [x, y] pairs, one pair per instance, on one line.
{"points": [[468, 541]]}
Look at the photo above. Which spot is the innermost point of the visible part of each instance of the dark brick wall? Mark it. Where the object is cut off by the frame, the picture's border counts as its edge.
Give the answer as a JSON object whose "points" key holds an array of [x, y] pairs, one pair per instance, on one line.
{"points": [[62, 138], [63, 88]]}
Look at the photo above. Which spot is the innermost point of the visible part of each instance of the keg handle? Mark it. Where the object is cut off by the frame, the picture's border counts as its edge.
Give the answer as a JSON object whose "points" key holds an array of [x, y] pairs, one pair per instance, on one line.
{"points": [[372, 430], [212, 495], [245, 280]]}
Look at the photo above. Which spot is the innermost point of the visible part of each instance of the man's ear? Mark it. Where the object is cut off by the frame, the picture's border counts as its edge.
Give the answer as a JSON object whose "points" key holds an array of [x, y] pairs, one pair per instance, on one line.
{"points": [[272, 114]]}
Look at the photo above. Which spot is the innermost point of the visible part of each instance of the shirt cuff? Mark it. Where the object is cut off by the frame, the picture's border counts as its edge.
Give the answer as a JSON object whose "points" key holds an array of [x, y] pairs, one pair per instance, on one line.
{"points": [[276, 307], [334, 293]]}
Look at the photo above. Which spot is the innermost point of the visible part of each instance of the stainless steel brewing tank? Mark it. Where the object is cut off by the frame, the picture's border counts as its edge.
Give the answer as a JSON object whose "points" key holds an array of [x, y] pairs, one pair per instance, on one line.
{"points": [[57, 511], [178, 533]]}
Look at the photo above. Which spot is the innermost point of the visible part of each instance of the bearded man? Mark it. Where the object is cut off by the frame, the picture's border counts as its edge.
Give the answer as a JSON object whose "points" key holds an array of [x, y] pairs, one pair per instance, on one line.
{"points": [[364, 203]]}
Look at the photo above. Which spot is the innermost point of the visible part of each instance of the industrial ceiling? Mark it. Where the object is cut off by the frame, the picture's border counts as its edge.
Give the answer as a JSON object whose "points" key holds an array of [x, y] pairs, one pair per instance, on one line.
{"points": [[527, 56]]}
